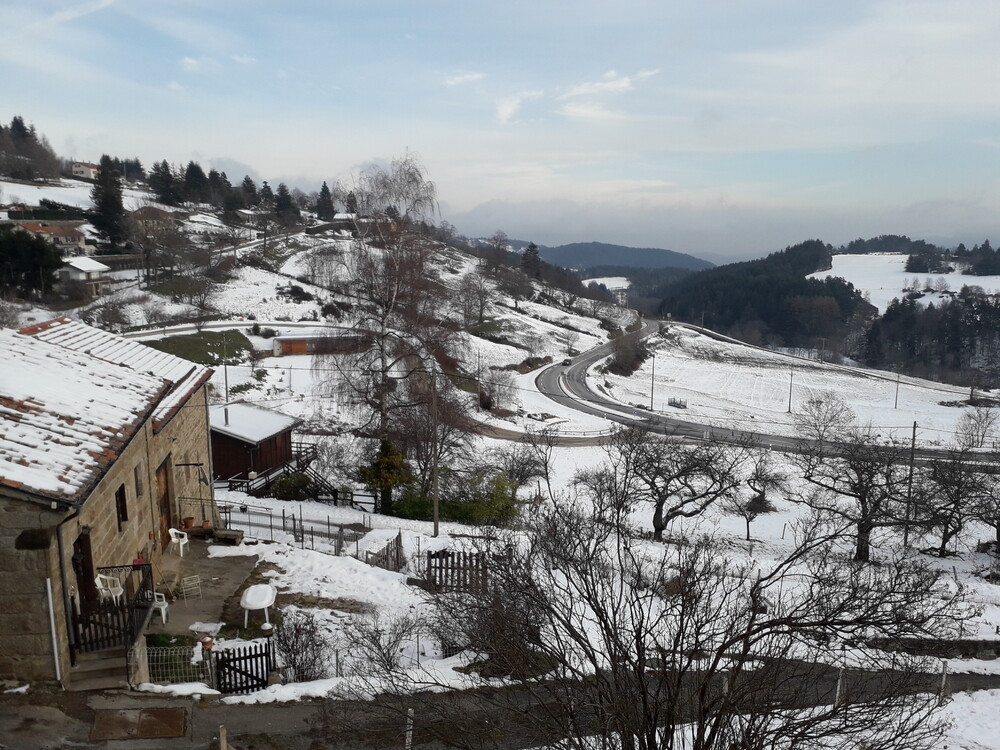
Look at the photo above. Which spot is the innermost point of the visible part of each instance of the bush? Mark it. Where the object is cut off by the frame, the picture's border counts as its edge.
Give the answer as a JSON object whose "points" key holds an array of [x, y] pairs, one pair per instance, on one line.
{"points": [[294, 486], [303, 647]]}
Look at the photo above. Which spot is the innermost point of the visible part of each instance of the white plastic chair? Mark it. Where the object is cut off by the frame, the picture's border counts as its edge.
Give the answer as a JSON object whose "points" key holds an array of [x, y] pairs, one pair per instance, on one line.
{"points": [[109, 587], [179, 539], [160, 605]]}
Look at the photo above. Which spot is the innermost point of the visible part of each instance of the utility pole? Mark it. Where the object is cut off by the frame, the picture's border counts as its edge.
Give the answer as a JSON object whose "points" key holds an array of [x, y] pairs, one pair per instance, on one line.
{"points": [[791, 378], [895, 403], [652, 383], [434, 449], [909, 488]]}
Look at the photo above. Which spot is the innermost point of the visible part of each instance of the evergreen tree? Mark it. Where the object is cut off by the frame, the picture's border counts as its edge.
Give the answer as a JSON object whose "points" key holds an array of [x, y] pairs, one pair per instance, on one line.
{"points": [[266, 194], [28, 263], [288, 213], [324, 206], [195, 184], [249, 190], [109, 212], [531, 261], [351, 203], [164, 184]]}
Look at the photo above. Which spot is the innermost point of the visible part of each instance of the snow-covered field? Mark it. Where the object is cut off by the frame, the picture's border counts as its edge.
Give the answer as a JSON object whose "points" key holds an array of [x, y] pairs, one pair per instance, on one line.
{"points": [[883, 278], [734, 386], [67, 191]]}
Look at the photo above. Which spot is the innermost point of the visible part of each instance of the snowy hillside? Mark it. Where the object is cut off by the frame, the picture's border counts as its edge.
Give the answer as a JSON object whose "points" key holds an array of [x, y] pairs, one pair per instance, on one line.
{"points": [[883, 278]]}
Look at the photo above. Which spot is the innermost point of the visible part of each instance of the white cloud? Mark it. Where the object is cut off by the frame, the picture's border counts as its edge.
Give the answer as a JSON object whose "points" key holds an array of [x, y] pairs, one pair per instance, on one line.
{"points": [[591, 111], [610, 83], [190, 64], [174, 86], [71, 14], [244, 59], [463, 78], [509, 106]]}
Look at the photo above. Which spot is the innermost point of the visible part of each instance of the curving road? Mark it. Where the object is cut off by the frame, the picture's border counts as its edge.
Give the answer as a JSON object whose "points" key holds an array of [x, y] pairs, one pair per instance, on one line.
{"points": [[567, 385]]}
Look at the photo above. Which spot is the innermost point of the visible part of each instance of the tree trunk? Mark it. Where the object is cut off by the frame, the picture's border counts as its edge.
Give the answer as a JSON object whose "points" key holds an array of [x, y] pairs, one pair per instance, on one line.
{"points": [[658, 523], [862, 549]]}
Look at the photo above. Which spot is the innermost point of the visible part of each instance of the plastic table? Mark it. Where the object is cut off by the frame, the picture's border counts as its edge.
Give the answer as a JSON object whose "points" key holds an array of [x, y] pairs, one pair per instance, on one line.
{"points": [[258, 596]]}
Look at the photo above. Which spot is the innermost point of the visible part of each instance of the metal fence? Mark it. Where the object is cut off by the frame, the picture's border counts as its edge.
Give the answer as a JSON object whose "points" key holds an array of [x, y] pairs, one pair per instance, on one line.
{"points": [[264, 523], [170, 665]]}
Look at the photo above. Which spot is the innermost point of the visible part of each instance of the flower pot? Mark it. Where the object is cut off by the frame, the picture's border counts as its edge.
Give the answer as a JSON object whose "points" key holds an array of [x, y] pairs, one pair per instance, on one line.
{"points": [[188, 523]]}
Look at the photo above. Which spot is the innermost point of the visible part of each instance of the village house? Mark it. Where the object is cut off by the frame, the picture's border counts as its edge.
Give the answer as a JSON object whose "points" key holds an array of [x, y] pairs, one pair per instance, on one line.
{"points": [[65, 236], [92, 274], [85, 170], [104, 447]]}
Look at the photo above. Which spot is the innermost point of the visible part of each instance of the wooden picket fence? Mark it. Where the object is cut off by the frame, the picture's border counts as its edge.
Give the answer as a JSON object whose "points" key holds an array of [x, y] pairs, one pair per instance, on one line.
{"points": [[389, 557], [244, 669], [449, 570]]}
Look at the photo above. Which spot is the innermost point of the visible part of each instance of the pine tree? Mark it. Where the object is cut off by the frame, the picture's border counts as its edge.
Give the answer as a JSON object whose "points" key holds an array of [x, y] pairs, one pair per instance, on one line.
{"points": [[288, 213], [109, 213], [249, 189], [164, 184], [195, 184], [324, 206], [266, 194], [531, 261]]}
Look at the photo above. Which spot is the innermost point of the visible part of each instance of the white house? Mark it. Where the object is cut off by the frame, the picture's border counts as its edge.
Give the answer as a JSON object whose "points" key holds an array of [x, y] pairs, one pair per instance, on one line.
{"points": [[87, 271], [85, 170]]}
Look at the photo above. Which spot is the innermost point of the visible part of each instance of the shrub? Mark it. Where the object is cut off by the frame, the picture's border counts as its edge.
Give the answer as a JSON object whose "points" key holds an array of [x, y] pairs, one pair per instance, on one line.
{"points": [[294, 486], [303, 647]]}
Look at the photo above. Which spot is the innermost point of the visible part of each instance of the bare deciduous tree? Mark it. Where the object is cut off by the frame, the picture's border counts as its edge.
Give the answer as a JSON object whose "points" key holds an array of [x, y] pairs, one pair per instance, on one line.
{"points": [[976, 427], [862, 478], [603, 642]]}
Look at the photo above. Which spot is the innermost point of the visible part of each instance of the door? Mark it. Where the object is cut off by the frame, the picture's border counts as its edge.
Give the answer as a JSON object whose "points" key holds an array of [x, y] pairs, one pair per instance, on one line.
{"points": [[164, 492], [83, 567]]}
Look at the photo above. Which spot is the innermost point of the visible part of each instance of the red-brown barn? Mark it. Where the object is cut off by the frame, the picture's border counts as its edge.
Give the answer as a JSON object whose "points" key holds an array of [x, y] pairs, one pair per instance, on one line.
{"points": [[249, 438]]}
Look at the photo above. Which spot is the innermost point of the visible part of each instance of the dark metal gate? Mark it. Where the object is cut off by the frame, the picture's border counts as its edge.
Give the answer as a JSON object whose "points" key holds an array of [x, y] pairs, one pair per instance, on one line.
{"points": [[244, 669]]}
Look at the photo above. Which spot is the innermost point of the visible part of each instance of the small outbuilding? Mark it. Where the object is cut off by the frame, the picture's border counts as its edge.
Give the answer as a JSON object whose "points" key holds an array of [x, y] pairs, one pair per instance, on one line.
{"points": [[246, 438]]}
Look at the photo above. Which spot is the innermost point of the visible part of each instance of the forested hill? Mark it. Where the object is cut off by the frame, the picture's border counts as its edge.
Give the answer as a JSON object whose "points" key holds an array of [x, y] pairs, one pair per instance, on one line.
{"points": [[769, 301], [589, 254]]}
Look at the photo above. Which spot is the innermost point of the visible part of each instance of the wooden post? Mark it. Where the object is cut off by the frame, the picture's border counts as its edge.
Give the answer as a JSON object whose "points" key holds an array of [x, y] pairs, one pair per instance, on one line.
{"points": [[223, 741]]}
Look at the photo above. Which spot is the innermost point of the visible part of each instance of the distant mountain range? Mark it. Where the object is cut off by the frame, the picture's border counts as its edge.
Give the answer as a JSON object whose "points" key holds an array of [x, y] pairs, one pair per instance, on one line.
{"points": [[589, 254]]}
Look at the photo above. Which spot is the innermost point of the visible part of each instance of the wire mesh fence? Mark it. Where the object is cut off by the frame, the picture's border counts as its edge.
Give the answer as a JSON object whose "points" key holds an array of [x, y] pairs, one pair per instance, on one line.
{"points": [[177, 664]]}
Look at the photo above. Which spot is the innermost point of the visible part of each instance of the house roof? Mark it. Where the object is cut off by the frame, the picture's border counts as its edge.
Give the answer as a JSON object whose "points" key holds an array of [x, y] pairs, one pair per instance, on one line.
{"points": [[51, 231], [152, 213], [249, 423], [88, 265], [65, 415], [183, 377]]}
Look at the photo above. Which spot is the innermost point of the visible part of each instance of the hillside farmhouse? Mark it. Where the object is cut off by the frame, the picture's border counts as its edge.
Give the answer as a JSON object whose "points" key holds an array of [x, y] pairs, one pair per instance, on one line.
{"points": [[91, 273], [85, 170], [104, 446]]}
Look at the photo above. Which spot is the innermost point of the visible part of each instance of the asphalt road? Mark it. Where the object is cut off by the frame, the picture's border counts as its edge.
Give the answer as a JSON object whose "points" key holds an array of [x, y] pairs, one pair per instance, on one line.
{"points": [[567, 385]]}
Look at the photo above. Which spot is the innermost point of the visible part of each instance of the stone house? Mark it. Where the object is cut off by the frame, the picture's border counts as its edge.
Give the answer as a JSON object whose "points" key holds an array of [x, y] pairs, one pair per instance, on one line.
{"points": [[104, 446]]}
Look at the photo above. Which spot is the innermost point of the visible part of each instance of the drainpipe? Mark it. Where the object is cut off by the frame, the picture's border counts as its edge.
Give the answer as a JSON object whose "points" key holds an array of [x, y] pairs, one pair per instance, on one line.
{"points": [[67, 609], [52, 630]]}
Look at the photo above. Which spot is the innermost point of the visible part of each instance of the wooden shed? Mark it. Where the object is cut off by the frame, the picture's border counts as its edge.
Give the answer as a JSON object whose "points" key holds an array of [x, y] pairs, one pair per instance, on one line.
{"points": [[246, 438]]}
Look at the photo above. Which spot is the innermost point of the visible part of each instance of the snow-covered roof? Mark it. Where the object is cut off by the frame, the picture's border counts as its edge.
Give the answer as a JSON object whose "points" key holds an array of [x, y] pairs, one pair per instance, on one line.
{"points": [[87, 265], [184, 377], [65, 415], [249, 423]]}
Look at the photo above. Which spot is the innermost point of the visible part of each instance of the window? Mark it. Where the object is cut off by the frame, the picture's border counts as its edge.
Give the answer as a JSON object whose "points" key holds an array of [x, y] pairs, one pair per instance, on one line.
{"points": [[121, 506], [137, 476]]}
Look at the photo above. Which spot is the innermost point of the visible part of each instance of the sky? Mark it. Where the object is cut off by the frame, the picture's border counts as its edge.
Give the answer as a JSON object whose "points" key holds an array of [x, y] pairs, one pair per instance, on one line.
{"points": [[721, 128]]}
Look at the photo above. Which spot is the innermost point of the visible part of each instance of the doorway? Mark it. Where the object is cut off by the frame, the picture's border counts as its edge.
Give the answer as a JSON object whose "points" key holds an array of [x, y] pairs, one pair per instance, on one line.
{"points": [[164, 499]]}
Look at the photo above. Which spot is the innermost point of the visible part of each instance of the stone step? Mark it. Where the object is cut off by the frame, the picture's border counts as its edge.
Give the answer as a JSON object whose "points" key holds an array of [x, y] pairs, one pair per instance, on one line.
{"points": [[106, 682], [99, 670]]}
